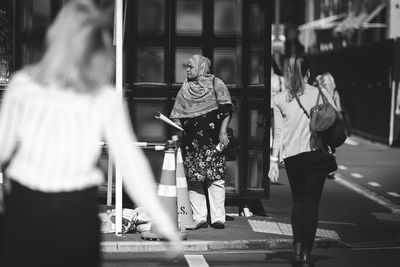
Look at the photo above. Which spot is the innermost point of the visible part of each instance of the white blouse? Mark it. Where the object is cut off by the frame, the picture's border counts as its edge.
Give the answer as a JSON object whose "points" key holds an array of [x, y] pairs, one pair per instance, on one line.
{"points": [[53, 135], [291, 126]]}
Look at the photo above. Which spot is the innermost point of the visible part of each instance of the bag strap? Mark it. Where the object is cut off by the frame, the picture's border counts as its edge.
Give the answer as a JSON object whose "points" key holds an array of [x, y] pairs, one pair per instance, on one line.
{"points": [[301, 106], [215, 93], [320, 93], [324, 99]]}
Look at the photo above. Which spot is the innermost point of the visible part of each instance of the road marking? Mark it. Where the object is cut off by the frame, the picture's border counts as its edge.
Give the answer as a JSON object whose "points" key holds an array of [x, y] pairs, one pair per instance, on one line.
{"points": [[357, 175], [196, 261], [342, 167], [351, 142], [338, 223], [263, 251], [374, 184], [286, 229], [393, 194], [368, 193], [377, 248], [327, 233]]}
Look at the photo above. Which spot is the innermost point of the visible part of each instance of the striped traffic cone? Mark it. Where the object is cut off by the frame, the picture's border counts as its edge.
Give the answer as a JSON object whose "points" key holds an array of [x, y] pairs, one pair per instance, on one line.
{"points": [[185, 214], [167, 195]]}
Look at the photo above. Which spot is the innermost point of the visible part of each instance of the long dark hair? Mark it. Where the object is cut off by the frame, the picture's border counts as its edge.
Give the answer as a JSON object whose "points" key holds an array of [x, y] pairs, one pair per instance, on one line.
{"points": [[275, 67], [297, 69]]}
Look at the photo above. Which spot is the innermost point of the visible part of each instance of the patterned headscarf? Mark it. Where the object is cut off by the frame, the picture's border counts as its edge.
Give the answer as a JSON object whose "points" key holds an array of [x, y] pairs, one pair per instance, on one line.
{"points": [[201, 95]]}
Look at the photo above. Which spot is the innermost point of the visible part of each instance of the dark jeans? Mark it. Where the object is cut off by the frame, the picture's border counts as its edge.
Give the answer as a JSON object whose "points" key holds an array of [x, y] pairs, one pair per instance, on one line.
{"points": [[50, 229], [307, 173]]}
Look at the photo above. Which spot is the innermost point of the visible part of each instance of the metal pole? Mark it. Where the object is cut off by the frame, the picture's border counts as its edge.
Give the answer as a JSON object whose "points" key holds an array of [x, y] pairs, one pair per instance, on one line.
{"points": [[109, 181], [118, 19], [392, 112]]}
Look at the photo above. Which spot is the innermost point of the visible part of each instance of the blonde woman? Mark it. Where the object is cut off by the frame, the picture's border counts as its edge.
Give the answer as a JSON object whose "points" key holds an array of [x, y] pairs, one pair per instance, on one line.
{"points": [[327, 82], [53, 117], [306, 164]]}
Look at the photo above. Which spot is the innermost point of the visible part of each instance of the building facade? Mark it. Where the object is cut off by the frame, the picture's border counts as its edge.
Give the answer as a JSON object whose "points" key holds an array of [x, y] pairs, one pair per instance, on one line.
{"points": [[335, 24], [358, 42], [159, 36]]}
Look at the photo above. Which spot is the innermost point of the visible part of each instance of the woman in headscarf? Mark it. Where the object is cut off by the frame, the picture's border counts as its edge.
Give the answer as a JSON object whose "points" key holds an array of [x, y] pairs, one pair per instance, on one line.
{"points": [[203, 107]]}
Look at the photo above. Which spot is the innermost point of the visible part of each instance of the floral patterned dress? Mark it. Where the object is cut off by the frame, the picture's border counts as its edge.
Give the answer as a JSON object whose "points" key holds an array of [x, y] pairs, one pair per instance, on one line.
{"points": [[202, 162]]}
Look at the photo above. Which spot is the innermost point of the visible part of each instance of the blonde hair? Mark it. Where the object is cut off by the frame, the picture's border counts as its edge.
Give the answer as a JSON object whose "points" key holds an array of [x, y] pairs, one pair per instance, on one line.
{"points": [[327, 82], [295, 73], [78, 52]]}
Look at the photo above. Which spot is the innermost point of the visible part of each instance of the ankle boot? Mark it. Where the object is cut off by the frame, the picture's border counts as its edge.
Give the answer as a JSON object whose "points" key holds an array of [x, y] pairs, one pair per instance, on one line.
{"points": [[305, 256], [297, 251]]}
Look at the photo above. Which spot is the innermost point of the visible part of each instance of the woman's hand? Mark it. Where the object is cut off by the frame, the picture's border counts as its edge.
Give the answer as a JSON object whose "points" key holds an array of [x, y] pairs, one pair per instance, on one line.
{"points": [[223, 138], [174, 249], [273, 171], [177, 122]]}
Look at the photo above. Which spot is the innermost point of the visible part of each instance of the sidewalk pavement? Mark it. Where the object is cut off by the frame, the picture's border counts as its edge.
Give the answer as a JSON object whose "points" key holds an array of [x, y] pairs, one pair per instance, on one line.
{"points": [[239, 234], [270, 231]]}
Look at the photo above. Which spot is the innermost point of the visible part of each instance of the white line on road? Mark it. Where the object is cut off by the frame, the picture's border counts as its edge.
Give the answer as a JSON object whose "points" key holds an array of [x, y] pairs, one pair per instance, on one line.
{"points": [[342, 167], [357, 175], [196, 261], [286, 229], [377, 248], [351, 142], [338, 223], [374, 184], [393, 194], [368, 193], [238, 252]]}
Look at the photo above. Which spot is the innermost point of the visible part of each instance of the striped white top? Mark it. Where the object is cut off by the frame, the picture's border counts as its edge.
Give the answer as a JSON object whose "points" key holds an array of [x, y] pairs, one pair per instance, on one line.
{"points": [[57, 134]]}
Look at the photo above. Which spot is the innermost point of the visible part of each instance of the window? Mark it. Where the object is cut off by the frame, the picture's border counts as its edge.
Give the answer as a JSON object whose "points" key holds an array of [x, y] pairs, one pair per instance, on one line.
{"points": [[225, 64], [257, 19], [35, 15], [189, 19], [257, 65], [255, 152], [150, 64], [30, 53], [151, 16], [147, 128], [227, 17]]}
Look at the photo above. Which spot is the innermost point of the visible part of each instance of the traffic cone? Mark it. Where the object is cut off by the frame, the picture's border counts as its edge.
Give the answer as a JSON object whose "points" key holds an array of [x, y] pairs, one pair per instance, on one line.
{"points": [[166, 194], [185, 214]]}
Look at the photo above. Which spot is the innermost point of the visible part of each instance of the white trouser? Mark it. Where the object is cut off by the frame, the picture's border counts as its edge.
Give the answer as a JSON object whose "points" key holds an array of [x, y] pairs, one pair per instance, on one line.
{"points": [[216, 198]]}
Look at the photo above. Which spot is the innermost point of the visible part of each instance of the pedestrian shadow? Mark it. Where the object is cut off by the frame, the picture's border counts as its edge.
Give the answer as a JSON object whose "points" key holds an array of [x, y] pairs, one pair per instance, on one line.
{"points": [[287, 256]]}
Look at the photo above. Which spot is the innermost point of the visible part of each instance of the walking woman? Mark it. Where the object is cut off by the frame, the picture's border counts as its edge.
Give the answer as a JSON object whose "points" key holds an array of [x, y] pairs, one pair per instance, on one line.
{"points": [[203, 107], [306, 165], [53, 117]]}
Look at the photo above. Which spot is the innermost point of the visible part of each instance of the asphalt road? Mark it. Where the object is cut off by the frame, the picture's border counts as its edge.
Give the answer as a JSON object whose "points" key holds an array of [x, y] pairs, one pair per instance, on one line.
{"points": [[358, 204], [344, 257]]}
